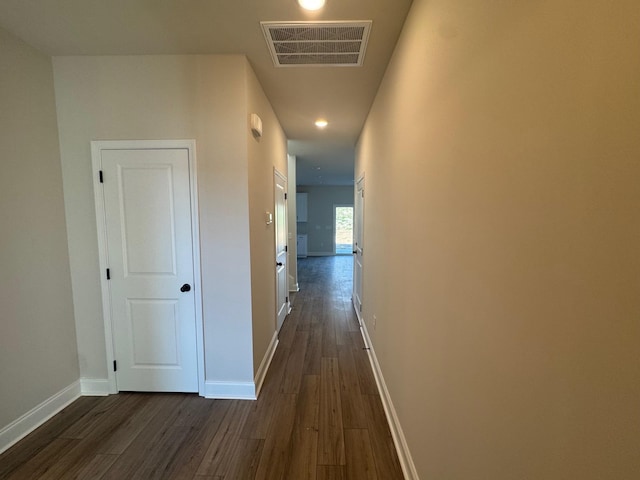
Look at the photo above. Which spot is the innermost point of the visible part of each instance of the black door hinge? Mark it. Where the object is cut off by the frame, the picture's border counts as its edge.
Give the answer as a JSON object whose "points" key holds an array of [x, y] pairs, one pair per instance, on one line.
{"points": [[286, 299], [286, 248], [285, 196], [108, 274], [115, 366], [101, 177]]}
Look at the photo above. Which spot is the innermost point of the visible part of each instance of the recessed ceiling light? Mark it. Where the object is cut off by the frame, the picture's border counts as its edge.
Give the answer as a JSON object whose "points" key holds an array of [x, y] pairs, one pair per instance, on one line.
{"points": [[311, 4], [320, 123]]}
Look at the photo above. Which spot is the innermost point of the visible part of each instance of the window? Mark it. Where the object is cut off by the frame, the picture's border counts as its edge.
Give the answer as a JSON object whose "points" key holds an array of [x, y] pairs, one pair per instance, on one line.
{"points": [[343, 228]]}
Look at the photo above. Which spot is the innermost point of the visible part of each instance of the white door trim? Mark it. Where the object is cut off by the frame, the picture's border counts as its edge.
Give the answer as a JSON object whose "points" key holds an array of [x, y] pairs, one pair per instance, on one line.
{"points": [[96, 147], [283, 177], [359, 183]]}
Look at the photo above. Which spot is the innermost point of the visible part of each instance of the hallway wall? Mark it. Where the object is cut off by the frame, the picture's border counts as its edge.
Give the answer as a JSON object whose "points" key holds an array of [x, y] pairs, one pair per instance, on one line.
{"points": [[264, 154], [501, 160], [164, 97], [38, 356]]}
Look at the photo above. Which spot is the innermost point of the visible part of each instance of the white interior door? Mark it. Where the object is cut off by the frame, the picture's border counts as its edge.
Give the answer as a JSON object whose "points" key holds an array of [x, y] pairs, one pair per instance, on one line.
{"points": [[358, 246], [150, 258], [282, 300]]}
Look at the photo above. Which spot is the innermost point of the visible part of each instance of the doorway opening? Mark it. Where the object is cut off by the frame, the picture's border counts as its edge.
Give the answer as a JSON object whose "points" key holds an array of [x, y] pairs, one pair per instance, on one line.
{"points": [[343, 228]]}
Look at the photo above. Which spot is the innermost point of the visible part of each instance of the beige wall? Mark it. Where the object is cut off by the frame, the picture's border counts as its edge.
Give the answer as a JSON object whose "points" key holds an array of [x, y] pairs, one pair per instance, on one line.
{"points": [[265, 154], [164, 97], [37, 338], [502, 164], [319, 226]]}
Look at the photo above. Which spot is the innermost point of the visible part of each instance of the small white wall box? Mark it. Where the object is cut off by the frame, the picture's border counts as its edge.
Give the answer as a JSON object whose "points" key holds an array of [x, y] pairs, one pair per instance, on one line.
{"points": [[256, 125], [268, 218]]}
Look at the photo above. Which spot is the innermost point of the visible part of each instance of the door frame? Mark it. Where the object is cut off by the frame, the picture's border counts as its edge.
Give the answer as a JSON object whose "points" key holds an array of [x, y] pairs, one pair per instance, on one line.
{"points": [[97, 146], [359, 184], [283, 177]]}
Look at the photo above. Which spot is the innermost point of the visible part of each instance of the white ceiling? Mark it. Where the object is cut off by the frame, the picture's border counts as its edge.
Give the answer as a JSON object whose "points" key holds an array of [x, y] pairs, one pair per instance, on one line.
{"points": [[299, 95]]}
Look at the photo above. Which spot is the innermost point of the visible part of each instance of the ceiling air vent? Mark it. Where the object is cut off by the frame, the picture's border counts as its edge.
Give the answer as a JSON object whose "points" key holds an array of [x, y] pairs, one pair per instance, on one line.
{"points": [[305, 44]]}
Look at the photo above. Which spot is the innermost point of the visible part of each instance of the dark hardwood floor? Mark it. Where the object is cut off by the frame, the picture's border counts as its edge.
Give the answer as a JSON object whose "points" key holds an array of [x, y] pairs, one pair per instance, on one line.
{"points": [[319, 415]]}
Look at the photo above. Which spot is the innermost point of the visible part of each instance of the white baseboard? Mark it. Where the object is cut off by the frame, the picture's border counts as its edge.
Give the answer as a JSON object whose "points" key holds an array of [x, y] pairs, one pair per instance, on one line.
{"points": [[230, 390], [243, 390], [404, 455], [359, 315], [95, 387], [264, 365], [293, 286], [27, 423]]}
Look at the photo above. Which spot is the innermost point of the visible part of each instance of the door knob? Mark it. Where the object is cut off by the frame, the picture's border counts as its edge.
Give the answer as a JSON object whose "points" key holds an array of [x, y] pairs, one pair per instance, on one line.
{"points": [[185, 288], [355, 251], [279, 264]]}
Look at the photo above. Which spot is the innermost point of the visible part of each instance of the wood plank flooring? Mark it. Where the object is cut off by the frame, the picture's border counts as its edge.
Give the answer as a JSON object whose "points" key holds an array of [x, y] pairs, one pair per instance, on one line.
{"points": [[319, 415]]}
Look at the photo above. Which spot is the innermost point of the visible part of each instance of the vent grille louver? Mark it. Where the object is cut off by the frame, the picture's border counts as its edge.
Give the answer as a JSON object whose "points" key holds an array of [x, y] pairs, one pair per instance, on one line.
{"points": [[317, 43]]}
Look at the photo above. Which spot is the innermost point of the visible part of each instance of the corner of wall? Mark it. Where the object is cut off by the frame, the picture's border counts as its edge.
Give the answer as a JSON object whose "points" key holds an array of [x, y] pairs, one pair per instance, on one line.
{"points": [[27, 423]]}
